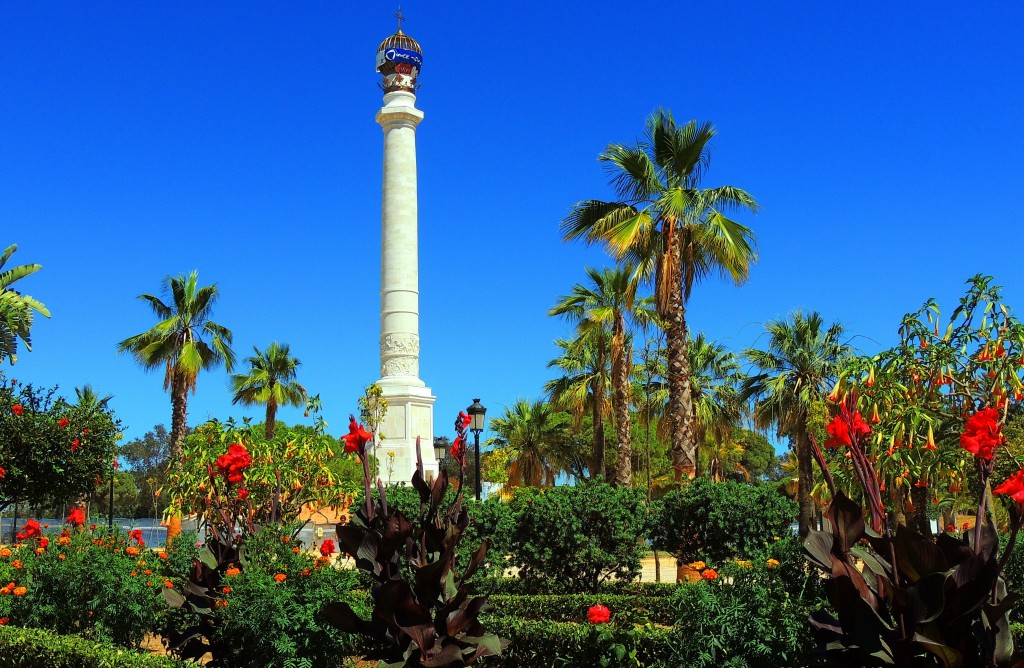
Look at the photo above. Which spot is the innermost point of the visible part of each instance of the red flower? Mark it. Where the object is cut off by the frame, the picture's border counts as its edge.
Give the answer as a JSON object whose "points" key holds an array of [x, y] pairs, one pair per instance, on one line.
{"points": [[1013, 487], [63, 423], [76, 518], [356, 438], [981, 434], [74, 445], [243, 494], [599, 614], [233, 462], [966, 526], [327, 548], [843, 425], [458, 449], [30, 530], [462, 421], [136, 535], [17, 409], [2, 472], [44, 542]]}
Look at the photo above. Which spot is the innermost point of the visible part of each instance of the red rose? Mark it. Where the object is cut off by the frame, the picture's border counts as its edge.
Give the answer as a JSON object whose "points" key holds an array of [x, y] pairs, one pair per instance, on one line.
{"points": [[17, 409], [327, 548], [356, 438], [76, 518], [63, 423], [599, 614]]}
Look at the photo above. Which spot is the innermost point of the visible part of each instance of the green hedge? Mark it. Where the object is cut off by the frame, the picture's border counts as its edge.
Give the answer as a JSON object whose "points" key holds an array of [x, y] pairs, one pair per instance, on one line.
{"points": [[496, 586], [547, 644], [625, 609], [34, 648]]}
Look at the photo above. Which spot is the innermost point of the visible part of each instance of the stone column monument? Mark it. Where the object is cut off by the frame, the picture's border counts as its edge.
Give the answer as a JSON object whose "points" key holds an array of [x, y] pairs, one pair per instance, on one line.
{"points": [[410, 403]]}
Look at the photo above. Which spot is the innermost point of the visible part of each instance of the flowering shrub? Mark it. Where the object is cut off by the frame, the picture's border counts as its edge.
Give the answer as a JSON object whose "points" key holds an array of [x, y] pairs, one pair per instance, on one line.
{"points": [[83, 582], [917, 600]]}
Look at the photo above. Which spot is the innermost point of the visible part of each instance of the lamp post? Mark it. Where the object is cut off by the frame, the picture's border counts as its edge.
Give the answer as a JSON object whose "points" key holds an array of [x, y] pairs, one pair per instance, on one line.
{"points": [[477, 415], [439, 452]]}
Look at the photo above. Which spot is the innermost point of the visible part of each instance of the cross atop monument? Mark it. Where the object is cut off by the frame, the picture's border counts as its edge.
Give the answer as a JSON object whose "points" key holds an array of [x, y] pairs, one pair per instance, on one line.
{"points": [[398, 15]]}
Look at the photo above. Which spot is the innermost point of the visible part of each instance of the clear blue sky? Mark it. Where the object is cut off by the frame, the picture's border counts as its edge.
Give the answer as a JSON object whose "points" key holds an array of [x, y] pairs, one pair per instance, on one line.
{"points": [[138, 140]]}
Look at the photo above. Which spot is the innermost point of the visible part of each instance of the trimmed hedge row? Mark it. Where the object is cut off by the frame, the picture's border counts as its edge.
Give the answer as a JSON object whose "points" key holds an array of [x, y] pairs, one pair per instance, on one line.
{"points": [[514, 587], [35, 648], [542, 644], [625, 609]]}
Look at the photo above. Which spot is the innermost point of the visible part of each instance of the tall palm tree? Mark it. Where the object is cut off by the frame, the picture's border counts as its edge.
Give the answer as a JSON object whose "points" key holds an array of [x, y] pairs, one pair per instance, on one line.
{"points": [[16, 309], [715, 382], [532, 434], [177, 344], [676, 234], [270, 381], [601, 307], [583, 387], [802, 360]]}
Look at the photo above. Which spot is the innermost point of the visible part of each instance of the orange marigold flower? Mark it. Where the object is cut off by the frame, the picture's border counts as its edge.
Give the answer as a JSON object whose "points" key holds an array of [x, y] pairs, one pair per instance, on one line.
{"points": [[135, 574], [709, 574], [64, 540], [220, 603], [773, 563], [17, 564], [20, 591], [226, 590], [232, 571], [280, 577], [61, 557], [168, 584], [132, 551], [305, 571], [40, 550], [698, 565], [149, 584], [162, 555], [296, 550], [4, 552], [286, 539], [149, 572]]}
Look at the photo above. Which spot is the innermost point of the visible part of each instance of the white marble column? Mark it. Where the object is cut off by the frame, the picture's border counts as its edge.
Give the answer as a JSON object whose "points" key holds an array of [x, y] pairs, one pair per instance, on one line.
{"points": [[410, 402]]}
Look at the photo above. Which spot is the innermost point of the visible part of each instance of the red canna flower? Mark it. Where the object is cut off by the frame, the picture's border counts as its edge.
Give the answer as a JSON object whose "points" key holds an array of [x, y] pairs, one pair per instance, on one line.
{"points": [[462, 421], [136, 535], [356, 438], [233, 462], [30, 530], [63, 423], [458, 450], [17, 409], [243, 494], [327, 548], [981, 434], [1013, 487], [2, 472], [599, 614]]}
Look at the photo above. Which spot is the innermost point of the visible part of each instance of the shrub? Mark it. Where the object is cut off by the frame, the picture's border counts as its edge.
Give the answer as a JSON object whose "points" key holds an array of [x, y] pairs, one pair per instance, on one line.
{"points": [[715, 522], [35, 648], [515, 586], [100, 585], [547, 644], [573, 607], [753, 615], [579, 535]]}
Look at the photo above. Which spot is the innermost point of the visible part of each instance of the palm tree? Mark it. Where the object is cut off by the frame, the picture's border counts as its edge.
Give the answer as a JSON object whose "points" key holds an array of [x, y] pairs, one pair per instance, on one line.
{"points": [[605, 305], [582, 387], [177, 345], [88, 398], [270, 381], [715, 381], [16, 309], [532, 435], [802, 359], [676, 234]]}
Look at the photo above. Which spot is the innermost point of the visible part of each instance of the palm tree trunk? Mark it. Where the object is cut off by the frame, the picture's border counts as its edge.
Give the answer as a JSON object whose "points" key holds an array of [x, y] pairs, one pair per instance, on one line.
{"points": [[805, 480], [270, 426], [680, 401], [620, 399], [179, 415], [597, 396]]}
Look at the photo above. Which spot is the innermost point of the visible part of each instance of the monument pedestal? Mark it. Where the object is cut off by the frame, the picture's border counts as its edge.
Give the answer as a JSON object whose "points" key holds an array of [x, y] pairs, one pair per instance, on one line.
{"points": [[410, 415]]}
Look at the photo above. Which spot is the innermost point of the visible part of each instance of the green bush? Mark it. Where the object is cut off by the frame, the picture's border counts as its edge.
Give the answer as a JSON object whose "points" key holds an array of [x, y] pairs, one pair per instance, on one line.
{"points": [[99, 585], [754, 615], [714, 522], [547, 644], [270, 620], [35, 648], [579, 535], [573, 607], [495, 586]]}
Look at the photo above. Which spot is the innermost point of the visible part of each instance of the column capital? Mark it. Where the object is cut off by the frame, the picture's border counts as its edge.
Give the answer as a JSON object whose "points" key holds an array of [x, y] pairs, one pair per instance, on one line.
{"points": [[390, 116]]}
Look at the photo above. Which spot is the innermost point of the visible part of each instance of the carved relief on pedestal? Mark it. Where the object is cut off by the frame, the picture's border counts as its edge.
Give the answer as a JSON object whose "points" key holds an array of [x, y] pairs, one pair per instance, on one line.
{"points": [[400, 366], [399, 343]]}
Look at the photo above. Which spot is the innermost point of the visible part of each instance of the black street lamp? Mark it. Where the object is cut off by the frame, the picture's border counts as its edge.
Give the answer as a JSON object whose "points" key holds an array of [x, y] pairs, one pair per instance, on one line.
{"points": [[477, 415], [439, 452]]}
